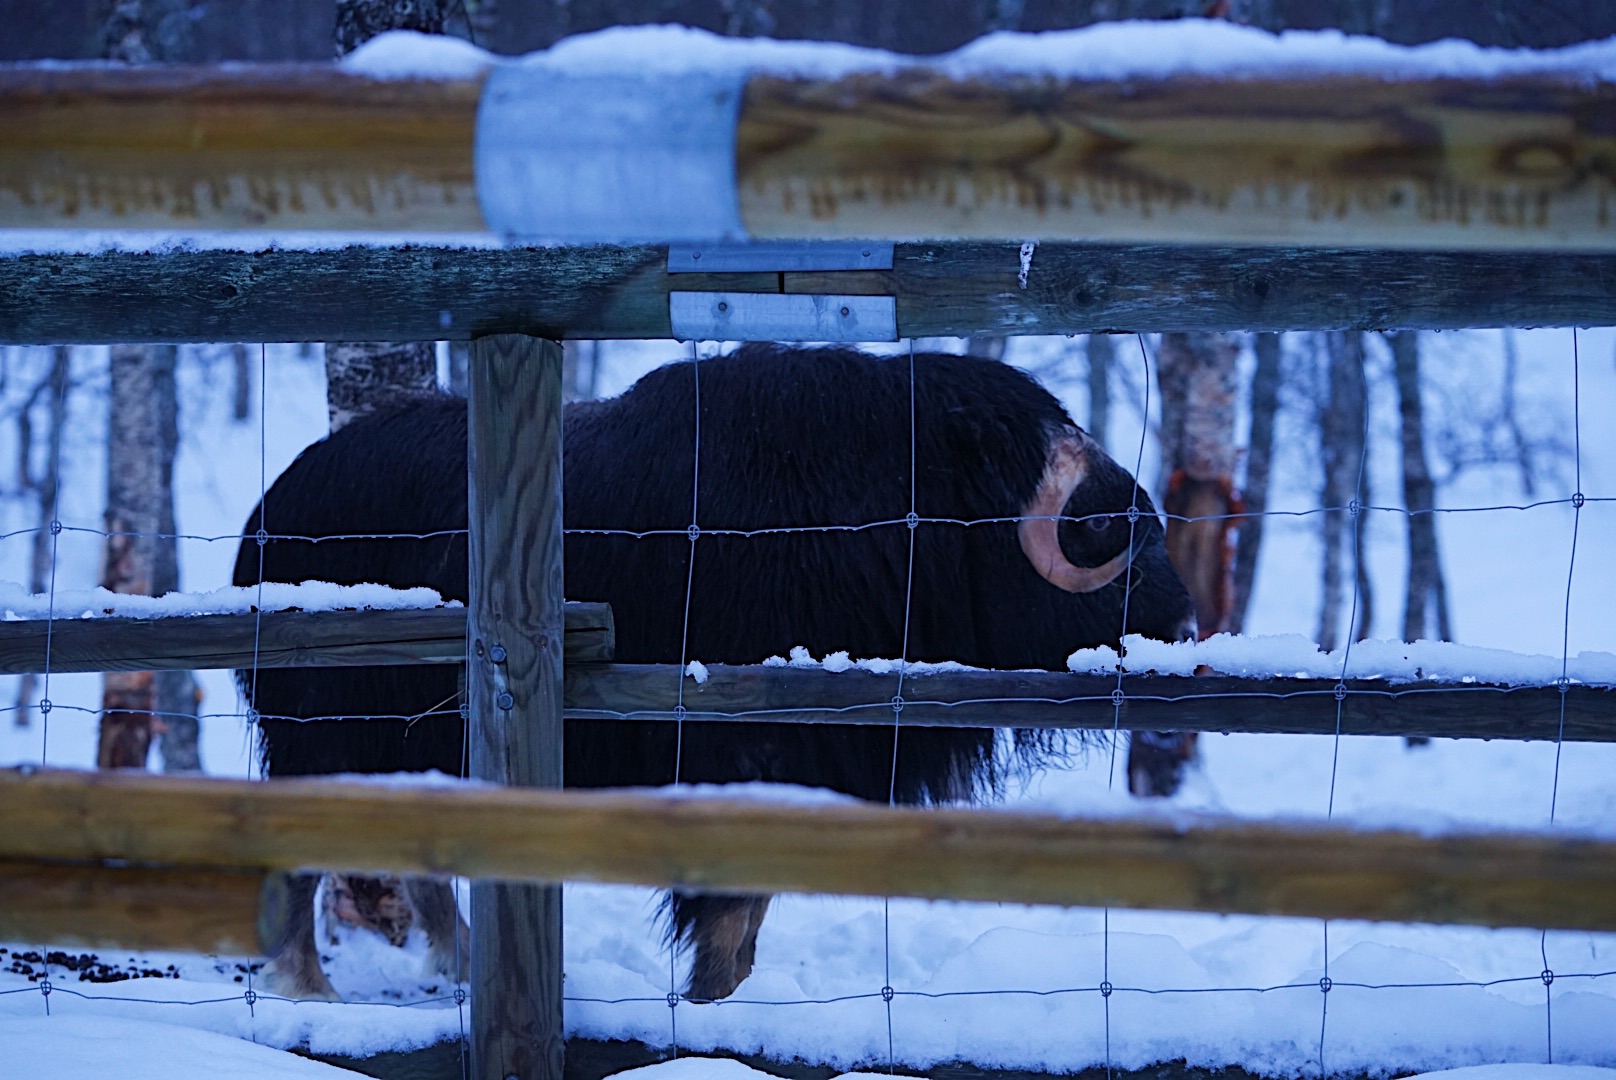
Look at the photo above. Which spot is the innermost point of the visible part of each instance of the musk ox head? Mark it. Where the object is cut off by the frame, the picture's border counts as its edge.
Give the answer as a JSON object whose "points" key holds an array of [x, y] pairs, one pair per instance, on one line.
{"points": [[1090, 527]]}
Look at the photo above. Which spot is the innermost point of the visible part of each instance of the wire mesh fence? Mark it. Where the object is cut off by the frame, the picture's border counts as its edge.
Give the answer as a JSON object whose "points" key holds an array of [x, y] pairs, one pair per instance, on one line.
{"points": [[897, 988]]}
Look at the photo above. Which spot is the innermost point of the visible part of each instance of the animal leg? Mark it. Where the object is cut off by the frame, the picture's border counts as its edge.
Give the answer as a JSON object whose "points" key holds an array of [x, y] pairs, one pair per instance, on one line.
{"points": [[447, 934], [294, 968], [723, 931]]}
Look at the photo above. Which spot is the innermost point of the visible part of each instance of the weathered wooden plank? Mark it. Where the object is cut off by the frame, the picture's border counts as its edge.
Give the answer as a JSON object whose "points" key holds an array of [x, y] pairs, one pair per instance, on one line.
{"points": [[1508, 163], [275, 146], [1501, 163], [277, 639], [200, 909], [423, 293], [514, 687], [1177, 862], [1049, 699], [597, 689]]}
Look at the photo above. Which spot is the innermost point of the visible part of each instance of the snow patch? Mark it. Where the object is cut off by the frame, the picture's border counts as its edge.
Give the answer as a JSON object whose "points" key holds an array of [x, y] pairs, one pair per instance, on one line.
{"points": [[18, 603], [1293, 656]]}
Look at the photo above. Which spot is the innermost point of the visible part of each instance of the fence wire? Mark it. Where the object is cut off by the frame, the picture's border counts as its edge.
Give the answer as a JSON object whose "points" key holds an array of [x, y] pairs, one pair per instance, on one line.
{"points": [[1107, 989]]}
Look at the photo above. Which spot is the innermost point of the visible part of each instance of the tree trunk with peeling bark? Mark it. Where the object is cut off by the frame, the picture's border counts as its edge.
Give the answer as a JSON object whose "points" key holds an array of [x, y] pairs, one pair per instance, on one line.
{"points": [[141, 554], [139, 506], [1199, 381], [1198, 377]]}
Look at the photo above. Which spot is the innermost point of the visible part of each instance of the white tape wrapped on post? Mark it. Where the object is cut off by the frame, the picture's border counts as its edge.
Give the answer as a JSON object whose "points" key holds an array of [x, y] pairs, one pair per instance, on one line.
{"points": [[608, 159]]}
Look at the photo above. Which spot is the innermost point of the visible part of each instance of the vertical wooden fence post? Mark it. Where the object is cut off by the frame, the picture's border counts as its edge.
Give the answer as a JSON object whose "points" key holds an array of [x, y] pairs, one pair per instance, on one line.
{"points": [[513, 687]]}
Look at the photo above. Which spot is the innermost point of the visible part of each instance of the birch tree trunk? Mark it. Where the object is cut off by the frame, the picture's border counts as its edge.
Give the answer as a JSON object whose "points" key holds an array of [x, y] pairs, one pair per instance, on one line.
{"points": [[139, 504], [1427, 590], [1265, 383], [1341, 454], [141, 555], [1198, 379]]}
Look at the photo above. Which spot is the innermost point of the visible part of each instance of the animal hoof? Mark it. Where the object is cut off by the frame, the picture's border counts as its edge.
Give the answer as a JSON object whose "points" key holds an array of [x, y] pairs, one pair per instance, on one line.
{"points": [[298, 986]]}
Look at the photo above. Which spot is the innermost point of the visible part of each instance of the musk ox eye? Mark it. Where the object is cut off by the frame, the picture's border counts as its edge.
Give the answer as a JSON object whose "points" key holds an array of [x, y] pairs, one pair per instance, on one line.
{"points": [[1099, 524]]}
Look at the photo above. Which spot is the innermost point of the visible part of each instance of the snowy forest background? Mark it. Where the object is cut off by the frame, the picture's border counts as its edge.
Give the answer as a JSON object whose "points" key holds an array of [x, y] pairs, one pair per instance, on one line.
{"points": [[1482, 426]]}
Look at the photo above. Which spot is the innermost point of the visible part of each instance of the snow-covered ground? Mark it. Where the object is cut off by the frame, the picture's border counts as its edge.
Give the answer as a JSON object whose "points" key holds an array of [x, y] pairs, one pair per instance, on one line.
{"points": [[993, 984]]}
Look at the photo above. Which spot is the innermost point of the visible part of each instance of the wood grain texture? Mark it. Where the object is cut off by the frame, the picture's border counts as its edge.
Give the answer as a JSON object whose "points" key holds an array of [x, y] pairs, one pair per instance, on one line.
{"points": [[247, 147], [1049, 699], [277, 639], [1510, 163], [192, 909], [514, 687], [426, 293], [1176, 863]]}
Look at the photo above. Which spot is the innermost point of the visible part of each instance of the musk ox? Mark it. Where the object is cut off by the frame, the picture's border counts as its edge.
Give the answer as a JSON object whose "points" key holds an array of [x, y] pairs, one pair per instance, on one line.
{"points": [[1024, 552]]}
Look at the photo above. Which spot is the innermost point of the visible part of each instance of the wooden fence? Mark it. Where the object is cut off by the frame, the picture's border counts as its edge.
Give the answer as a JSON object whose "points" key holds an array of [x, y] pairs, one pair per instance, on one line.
{"points": [[311, 148]]}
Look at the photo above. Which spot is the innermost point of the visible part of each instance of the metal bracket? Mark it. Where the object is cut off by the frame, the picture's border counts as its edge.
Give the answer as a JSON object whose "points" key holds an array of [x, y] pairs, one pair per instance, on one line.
{"points": [[731, 316], [779, 257]]}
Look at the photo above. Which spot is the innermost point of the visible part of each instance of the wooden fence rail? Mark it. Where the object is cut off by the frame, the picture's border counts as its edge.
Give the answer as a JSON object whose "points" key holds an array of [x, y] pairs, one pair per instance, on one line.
{"points": [[1518, 163], [426, 293], [1167, 862], [598, 689]]}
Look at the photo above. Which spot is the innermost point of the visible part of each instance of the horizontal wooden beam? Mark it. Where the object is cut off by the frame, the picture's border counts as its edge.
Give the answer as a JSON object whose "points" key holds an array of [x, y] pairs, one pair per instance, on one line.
{"points": [[424, 293], [597, 689], [244, 147], [1053, 699], [87, 905], [1517, 163], [1176, 863], [273, 640]]}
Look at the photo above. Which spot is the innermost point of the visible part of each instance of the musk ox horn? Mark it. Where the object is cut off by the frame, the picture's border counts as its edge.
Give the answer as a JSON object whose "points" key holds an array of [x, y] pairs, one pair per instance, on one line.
{"points": [[1065, 467]]}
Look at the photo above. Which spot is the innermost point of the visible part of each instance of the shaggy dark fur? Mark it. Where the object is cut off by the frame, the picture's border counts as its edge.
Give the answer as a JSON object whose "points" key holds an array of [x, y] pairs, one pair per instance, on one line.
{"points": [[789, 437]]}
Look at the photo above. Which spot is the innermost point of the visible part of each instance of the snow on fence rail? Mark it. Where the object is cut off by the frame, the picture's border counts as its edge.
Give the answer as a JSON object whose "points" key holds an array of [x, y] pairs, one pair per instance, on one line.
{"points": [[1439, 690]]}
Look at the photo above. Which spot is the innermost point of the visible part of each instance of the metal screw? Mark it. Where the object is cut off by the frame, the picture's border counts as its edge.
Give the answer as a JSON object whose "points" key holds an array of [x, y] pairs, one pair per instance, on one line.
{"points": [[497, 654], [722, 306], [543, 642], [696, 255], [505, 701], [846, 312]]}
